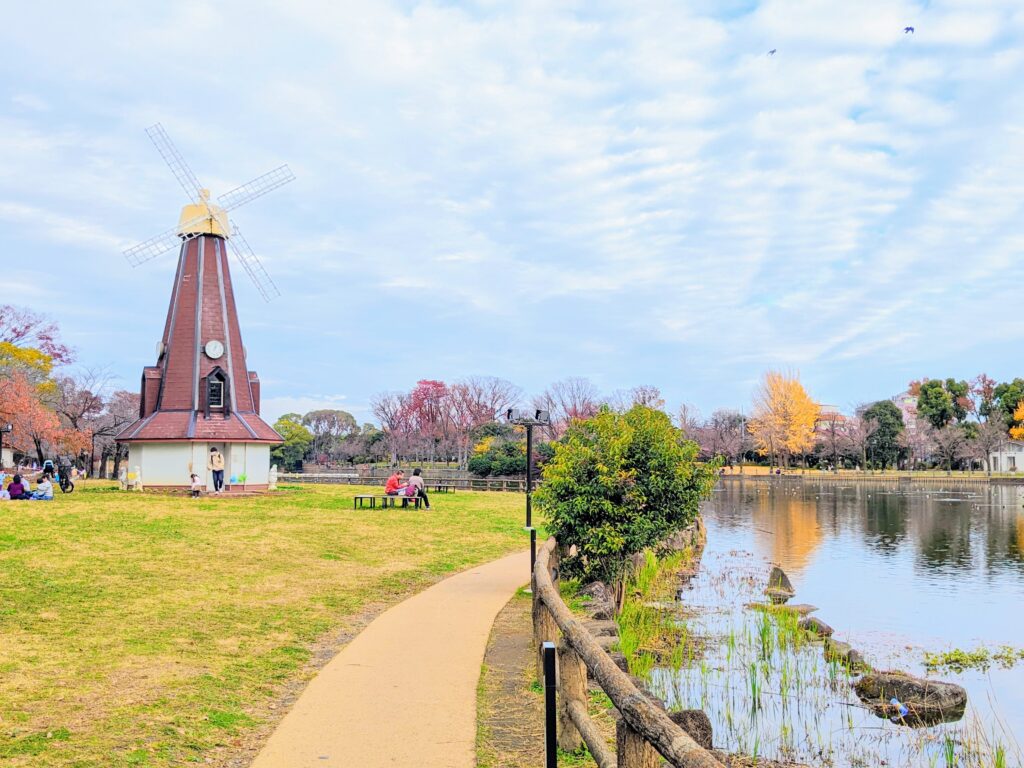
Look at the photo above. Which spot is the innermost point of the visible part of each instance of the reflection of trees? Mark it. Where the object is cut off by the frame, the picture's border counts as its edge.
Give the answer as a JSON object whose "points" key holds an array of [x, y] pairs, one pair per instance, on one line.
{"points": [[944, 530], [791, 523], [885, 522], [1004, 534]]}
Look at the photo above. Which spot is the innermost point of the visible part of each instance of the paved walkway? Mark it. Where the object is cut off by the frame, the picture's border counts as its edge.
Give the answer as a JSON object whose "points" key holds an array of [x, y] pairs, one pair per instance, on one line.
{"points": [[403, 692]]}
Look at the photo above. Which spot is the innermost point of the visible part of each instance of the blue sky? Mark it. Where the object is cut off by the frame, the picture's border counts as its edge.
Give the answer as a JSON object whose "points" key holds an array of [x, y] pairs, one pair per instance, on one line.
{"points": [[631, 192]]}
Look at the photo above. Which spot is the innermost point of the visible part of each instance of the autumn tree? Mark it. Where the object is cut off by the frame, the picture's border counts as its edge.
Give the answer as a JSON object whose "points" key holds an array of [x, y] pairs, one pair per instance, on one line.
{"points": [[29, 330], [1017, 430], [784, 416]]}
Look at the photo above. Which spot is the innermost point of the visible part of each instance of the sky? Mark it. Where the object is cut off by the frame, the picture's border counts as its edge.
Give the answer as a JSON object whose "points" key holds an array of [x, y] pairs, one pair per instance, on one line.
{"points": [[635, 192]]}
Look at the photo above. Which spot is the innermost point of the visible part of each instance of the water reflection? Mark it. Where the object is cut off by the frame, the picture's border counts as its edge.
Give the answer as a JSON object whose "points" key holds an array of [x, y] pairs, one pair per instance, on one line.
{"points": [[896, 571]]}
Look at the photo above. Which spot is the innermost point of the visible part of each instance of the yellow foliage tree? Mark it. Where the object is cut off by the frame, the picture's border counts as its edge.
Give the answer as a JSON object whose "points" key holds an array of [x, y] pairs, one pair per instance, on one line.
{"points": [[784, 416], [1017, 431]]}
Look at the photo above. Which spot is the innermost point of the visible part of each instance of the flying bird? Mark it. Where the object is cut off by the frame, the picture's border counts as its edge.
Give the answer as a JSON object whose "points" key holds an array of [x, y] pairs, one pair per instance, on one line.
{"points": [[771, 52], [908, 30]]}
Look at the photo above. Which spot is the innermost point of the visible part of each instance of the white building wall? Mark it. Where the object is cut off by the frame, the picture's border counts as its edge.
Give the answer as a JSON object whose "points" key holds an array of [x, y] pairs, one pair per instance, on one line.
{"points": [[1009, 457], [172, 463]]}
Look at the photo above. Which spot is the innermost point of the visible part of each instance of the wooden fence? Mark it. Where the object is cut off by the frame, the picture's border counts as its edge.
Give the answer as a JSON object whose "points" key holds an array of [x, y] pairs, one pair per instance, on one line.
{"points": [[464, 484], [644, 729], [901, 479]]}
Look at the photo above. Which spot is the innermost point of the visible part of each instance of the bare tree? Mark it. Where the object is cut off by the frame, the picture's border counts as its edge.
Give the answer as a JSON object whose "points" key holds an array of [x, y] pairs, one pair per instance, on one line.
{"points": [[393, 412], [917, 440], [991, 435], [726, 430], [689, 422], [648, 395], [567, 401], [119, 410], [858, 435], [831, 430], [476, 401], [950, 443]]}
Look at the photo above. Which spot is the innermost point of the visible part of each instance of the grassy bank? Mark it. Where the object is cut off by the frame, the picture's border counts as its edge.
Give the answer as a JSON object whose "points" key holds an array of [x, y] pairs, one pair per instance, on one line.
{"points": [[140, 630]]}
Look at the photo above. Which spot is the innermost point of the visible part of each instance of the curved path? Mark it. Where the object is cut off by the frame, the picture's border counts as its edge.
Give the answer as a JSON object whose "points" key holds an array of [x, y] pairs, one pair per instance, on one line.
{"points": [[403, 692]]}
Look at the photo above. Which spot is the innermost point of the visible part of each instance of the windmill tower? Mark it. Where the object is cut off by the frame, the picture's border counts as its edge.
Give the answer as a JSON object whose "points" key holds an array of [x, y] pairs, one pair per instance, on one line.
{"points": [[200, 393]]}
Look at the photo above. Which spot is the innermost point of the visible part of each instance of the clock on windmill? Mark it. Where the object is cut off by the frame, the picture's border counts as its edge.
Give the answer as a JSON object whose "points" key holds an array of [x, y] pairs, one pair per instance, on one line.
{"points": [[214, 349]]}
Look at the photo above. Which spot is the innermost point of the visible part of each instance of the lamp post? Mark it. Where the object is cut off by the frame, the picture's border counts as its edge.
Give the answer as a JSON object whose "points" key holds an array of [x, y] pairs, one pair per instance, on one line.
{"points": [[529, 419], [5, 428]]}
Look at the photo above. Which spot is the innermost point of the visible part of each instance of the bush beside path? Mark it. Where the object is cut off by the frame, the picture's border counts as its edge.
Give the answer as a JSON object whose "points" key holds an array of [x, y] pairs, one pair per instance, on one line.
{"points": [[147, 630]]}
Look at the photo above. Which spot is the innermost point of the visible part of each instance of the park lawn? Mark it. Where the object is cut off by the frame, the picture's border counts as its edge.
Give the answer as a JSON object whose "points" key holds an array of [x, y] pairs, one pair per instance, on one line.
{"points": [[151, 630]]}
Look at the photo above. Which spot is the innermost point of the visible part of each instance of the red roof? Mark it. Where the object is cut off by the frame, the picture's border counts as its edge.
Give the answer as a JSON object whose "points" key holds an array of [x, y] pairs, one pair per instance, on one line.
{"points": [[190, 425]]}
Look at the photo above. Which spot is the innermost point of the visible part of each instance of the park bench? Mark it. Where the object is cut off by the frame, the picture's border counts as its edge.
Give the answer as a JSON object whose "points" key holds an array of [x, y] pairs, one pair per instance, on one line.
{"points": [[442, 487], [359, 501]]}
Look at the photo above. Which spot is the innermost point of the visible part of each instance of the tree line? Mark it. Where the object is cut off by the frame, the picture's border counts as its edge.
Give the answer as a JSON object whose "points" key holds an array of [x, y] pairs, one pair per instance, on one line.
{"points": [[55, 410], [947, 423]]}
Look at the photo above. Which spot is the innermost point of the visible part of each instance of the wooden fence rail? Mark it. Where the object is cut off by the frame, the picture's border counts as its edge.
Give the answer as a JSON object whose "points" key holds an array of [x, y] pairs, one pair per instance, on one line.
{"points": [[463, 484], [644, 730]]}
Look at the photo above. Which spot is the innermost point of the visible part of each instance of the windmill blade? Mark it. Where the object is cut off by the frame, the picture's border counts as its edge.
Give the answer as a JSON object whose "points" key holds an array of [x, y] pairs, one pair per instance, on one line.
{"points": [[175, 161], [252, 265], [162, 243], [256, 188]]}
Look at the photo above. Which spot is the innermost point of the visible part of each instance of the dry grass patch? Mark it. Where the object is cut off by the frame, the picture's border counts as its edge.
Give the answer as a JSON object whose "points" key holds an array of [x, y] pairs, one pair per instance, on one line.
{"points": [[145, 630]]}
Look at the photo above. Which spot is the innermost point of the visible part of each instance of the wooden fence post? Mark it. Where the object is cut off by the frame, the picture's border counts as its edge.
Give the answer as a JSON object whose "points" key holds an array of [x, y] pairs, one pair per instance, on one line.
{"points": [[632, 750], [572, 685], [544, 627]]}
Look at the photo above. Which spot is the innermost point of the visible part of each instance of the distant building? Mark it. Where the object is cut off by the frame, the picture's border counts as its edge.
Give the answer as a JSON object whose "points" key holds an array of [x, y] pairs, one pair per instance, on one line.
{"points": [[1009, 457], [907, 403], [7, 457]]}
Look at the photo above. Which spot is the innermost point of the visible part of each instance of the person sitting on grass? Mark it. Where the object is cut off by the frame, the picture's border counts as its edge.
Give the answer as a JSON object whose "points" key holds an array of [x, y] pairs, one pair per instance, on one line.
{"points": [[394, 486], [415, 487], [17, 489], [197, 486], [44, 490]]}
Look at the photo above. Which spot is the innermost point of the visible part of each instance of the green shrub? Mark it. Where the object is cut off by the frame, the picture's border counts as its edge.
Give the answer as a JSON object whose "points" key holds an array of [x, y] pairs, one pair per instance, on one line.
{"points": [[617, 484]]}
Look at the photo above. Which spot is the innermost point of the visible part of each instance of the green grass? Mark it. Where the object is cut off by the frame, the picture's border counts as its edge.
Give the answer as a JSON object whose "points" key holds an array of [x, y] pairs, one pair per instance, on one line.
{"points": [[146, 630], [644, 631]]}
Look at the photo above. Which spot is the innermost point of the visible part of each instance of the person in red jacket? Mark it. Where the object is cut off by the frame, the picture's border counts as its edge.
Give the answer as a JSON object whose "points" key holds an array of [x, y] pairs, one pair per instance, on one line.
{"points": [[394, 485]]}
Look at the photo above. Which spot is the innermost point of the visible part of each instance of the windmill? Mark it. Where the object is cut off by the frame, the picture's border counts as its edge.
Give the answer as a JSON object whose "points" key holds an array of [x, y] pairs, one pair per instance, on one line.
{"points": [[205, 218], [201, 395]]}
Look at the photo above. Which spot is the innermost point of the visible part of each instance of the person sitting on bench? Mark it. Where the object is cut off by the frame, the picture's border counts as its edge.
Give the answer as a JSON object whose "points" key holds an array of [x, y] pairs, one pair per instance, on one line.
{"points": [[394, 486], [415, 488]]}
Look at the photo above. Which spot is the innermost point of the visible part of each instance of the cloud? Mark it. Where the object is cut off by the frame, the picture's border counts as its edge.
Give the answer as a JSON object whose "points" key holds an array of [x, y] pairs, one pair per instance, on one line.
{"points": [[636, 190]]}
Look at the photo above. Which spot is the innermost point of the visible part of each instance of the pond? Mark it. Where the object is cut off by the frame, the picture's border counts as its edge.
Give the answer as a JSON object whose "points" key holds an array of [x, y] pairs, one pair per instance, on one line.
{"points": [[897, 573]]}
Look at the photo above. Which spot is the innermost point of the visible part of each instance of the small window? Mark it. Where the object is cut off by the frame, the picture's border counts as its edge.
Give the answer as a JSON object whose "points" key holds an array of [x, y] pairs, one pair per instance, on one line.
{"points": [[216, 393]]}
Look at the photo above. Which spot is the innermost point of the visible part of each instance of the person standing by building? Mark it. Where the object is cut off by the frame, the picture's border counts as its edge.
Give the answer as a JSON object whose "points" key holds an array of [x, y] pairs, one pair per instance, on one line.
{"points": [[216, 465]]}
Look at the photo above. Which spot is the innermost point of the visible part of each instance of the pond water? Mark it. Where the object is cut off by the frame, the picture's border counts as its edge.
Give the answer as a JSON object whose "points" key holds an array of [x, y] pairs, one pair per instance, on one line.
{"points": [[896, 573]]}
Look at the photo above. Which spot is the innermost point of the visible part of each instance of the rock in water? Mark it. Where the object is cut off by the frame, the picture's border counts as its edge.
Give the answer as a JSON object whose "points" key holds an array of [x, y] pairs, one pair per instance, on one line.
{"points": [[780, 589], [928, 702], [845, 654], [696, 723], [815, 625]]}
